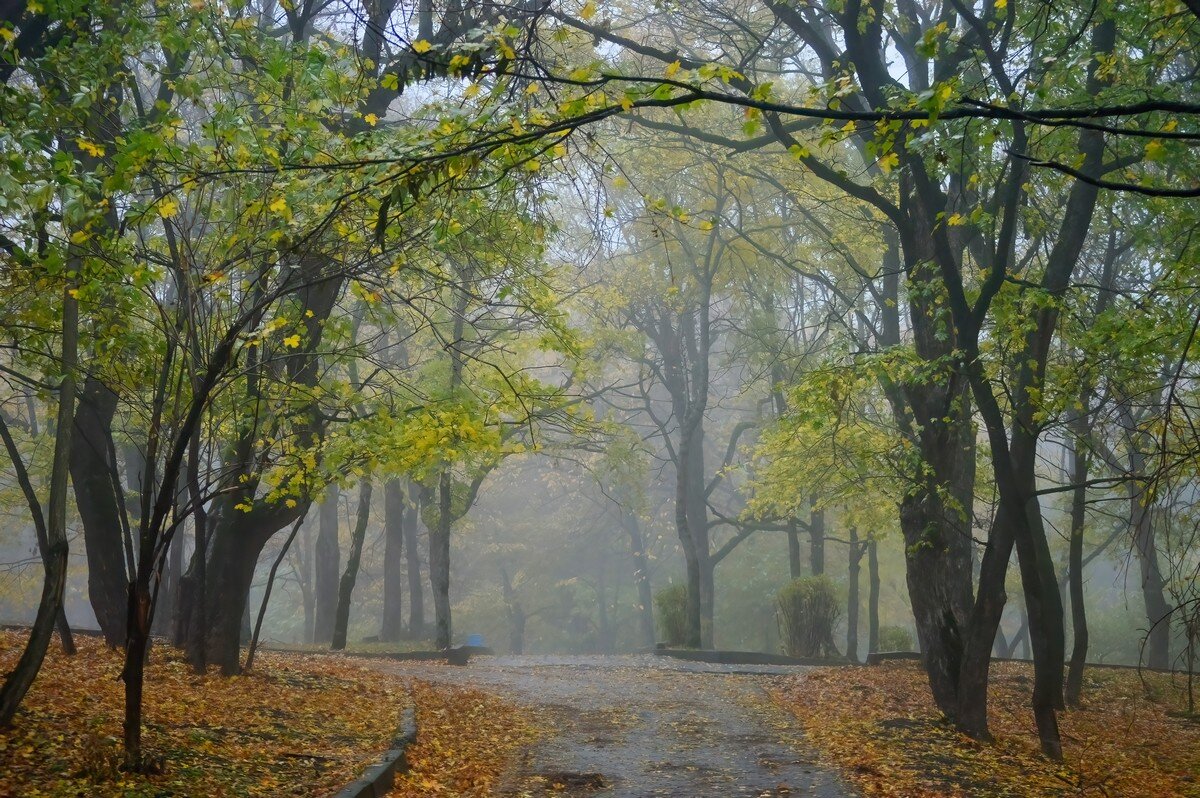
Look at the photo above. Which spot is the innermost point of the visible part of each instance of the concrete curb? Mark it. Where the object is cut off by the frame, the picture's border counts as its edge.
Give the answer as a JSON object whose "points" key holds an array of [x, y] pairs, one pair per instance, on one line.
{"points": [[741, 657], [378, 779]]}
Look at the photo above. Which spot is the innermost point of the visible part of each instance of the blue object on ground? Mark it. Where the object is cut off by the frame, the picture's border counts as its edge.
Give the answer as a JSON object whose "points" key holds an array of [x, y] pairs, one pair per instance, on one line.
{"points": [[475, 640]]}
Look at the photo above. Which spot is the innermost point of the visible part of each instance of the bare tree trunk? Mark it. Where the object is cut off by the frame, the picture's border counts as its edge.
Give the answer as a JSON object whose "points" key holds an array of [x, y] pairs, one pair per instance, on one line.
{"points": [[516, 615], [341, 623], [326, 565], [872, 596], [416, 588], [95, 479], [816, 540], [439, 562], [394, 516], [262, 608], [17, 683], [795, 569], [852, 601], [641, 577], [1079, 628]]}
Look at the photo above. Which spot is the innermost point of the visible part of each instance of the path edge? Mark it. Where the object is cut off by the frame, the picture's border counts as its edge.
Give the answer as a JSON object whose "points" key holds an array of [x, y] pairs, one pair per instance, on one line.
{"points": [[378, 779]]}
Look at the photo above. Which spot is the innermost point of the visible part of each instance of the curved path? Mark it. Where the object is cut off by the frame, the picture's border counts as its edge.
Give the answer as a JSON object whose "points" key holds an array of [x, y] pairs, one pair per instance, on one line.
{"points": [[634, 726]]}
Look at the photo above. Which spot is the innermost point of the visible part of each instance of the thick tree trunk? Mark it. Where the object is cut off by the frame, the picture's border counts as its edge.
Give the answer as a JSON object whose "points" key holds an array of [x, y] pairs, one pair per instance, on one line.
{"points": [[341, 623], [394, 515], [416, 588], [795, 568], [1158, 609], [641, 577], [326, 565], [816, 540], [937, 551], [95, 478]]}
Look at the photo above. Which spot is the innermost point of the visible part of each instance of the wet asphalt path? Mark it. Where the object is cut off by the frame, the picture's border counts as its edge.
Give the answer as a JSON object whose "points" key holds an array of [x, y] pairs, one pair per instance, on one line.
{"points": [[641, 726]]}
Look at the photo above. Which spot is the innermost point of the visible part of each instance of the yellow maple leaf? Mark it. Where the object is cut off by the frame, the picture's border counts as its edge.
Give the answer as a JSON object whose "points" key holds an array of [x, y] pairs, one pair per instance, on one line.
{"points": [[672, 68], [588, 11], [422, 46], [371, 119], [168, 207], [292, 341]]}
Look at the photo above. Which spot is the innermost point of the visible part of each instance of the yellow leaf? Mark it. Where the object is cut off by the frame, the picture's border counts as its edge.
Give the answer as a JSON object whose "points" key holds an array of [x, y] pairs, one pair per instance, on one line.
{"points": [[292, 341], [168, 207], [588, 11], [7, 34], [889, 162], [92, 149], [672, 68], [278, 205], [371, 119], [422, 46], [626, 103]]}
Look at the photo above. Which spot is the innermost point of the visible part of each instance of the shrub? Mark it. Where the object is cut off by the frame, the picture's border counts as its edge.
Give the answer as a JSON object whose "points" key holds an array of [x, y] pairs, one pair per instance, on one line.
{"points": [[671, 603], [809, 610], [895, 638]]}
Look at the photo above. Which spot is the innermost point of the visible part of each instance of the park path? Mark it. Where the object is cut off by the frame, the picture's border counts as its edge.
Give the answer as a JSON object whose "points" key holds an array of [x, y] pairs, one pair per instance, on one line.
{"points": [[641, 726]]}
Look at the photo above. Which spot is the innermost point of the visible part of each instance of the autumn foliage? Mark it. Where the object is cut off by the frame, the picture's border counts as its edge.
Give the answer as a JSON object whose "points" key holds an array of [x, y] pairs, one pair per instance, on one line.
{"points": [[297, 725], [879, 726], [465, 739]]}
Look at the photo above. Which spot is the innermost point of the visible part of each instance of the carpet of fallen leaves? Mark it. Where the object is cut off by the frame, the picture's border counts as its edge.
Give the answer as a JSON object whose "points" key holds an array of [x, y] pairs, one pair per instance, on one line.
{"points": [[297, 725], [879, 725], [465, 741]]}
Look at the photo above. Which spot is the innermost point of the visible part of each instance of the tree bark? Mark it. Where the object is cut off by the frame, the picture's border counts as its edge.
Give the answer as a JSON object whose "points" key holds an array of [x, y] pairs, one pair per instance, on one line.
{"points": [[341, 623], [95, 478], [326, 565], [641, 577], [852, 599], [416, 588], [439, 562], [17, 682], [394, 516], [872, 596], [816, 540], [795, 568], [1079, 628]]}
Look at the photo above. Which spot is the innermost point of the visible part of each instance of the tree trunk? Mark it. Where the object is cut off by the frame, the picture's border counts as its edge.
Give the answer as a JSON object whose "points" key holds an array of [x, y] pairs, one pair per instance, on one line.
{"points": [[872, 596], [262, 608], [641, 577], [326, 565], [394, 516], [795, 569], [17, 682], [341, 623], [439, 562], [516, 615], [416, 589], [852, 600], [816, 540], [1079, 628], [95, 478], [1158, 609]]}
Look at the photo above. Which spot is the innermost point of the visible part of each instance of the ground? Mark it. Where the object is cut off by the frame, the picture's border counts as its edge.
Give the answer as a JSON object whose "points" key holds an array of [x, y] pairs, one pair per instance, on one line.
{"points": [[638, 726], [878, 724], [297, 725]]}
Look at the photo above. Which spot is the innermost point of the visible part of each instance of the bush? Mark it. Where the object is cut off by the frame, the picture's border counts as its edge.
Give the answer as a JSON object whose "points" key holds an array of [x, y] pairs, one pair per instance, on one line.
{"points": [[895, 638], [809, 610], [671, 603]]}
